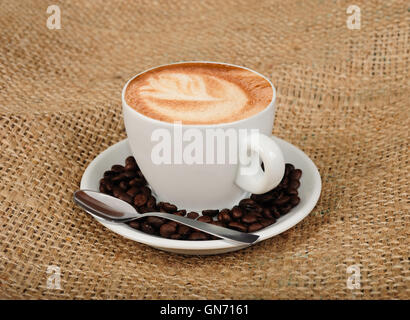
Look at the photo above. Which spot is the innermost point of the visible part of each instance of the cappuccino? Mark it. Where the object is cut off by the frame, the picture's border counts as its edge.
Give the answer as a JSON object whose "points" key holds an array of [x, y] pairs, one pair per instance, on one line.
{"points": [[199, 93]]}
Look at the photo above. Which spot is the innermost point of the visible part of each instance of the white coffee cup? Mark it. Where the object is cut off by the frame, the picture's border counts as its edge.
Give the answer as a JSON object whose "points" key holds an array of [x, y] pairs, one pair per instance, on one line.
{"points": [[208, 185]]}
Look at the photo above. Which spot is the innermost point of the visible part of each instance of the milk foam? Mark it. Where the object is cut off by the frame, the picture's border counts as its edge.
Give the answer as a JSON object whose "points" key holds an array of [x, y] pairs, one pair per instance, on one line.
{"points": [[199, 93]]}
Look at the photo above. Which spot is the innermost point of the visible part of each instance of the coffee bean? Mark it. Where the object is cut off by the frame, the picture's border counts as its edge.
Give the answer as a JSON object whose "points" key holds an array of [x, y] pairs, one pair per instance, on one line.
{"points": [[170, 208], [267, 222], [224, 216], [160, 205], [285, 209], [140, 199], [103, 189], [137, 182], [236, 212], [173, 223], [181, 213], [292, 192], [144, 180], [123, 185], [117, 168], [143, 209], [130, 167], [266, 197], [210, 213], [255, 227], [116, 190], [295, 174], [284, 183], [218, 223], [109, 174], [118, 177], [254, 197], [294, 201], [275, 212], [109, 185], [129, 174], [282, 200], [145, 227], [146, 191], [167, 229], [131, 164], [133, 191], [156, 222], [238, 226], [176, 236], [267, 213], [245, 203], [152, 202], [256, 209], [250, 206], [197, 235], [288, 168], [184, 230], [125, 197], [294, 184], [249, 218], [206, 219], [130, 159], [226, 210], [134, 224], [193, 215]]}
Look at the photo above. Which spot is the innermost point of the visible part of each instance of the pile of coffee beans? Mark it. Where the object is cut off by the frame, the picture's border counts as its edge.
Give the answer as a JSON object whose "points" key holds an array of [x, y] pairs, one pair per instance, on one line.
{"points": [[127, 183]]}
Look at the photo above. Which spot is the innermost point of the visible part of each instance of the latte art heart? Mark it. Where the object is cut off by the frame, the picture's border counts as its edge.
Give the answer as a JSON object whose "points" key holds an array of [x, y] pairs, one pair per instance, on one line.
{"points": [[198, 93]]}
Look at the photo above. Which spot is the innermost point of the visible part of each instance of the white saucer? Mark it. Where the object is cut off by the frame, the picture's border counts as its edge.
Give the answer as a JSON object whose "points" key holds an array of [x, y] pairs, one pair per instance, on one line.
{"points": [[309, 192]]}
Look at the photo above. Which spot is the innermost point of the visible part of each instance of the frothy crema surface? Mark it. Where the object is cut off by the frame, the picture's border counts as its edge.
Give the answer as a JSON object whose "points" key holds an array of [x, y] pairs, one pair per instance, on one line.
{"points": [[199, 93]]}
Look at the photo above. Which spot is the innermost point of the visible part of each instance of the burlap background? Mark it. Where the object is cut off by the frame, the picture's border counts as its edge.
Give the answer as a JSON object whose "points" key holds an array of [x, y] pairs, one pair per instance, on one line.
{"points": [[342, 98]]}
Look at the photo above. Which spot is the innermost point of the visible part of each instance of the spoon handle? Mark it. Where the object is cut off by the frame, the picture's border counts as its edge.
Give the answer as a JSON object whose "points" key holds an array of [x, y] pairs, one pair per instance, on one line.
{"points": [[218, 231]]}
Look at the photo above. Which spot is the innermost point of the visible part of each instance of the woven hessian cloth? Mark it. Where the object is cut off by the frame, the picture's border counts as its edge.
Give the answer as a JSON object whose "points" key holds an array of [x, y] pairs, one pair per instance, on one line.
{"points": [[342, 97]]}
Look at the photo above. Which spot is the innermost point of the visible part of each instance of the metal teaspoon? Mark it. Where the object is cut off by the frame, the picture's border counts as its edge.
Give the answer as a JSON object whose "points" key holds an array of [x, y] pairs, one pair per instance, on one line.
{"points": [[115, 210]]}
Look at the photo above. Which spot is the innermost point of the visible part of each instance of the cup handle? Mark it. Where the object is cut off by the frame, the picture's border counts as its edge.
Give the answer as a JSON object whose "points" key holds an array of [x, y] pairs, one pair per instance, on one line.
{"points": [[251, 177]]}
